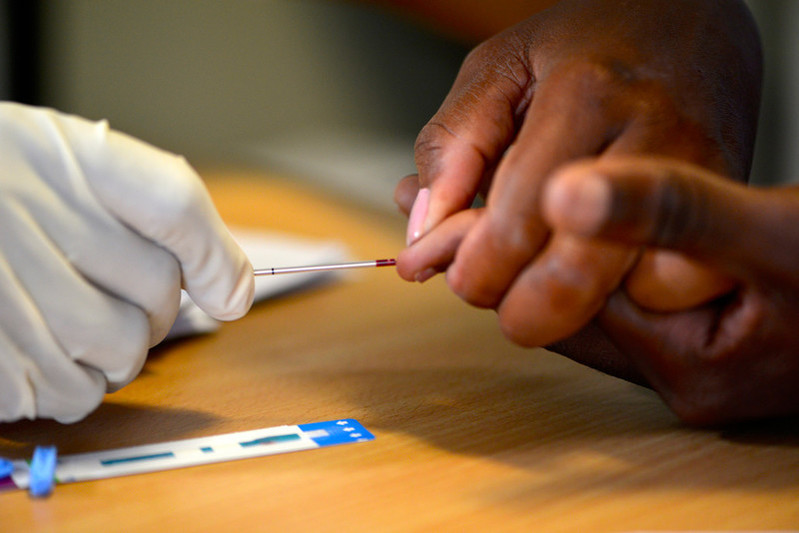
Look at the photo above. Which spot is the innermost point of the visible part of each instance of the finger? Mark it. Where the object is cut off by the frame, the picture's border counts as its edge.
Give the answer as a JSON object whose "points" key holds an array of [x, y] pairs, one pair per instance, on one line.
{"points": [[663, 280], [562, 123], [92, 328], [40, 382], [117, 260], [476, 123], [405, 193], [435, 252], [161, 197], [563, 289], [673, 205]]}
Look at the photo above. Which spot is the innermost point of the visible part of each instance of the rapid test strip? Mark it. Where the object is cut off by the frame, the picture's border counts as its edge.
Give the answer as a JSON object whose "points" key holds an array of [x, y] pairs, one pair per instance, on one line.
{"points": [[192, 452]]}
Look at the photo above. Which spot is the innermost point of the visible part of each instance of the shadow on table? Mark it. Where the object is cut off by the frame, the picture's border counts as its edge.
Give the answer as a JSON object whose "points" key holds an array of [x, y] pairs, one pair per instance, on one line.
{"points": [[561, 417], [110, 426]]}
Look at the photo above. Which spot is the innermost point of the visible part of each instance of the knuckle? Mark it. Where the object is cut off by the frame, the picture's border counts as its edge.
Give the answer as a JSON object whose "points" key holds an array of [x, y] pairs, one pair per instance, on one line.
{"points": [[479, 55], [567, 298], [482, 274], [598, 76], [432, 137], [178, 197], [115, 345], [430, 144], [520, 329], [653, 104], [129, 354], [494, 53], [681, 212], [561, 307], [505, 57], [470, 289], [605, 79], [72, 407], [521, 235], [515, 231]]}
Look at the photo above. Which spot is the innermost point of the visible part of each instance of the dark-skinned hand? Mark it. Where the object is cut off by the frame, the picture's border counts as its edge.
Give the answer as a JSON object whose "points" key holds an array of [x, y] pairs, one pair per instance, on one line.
{"points": [[730, 359], [584, 78]]}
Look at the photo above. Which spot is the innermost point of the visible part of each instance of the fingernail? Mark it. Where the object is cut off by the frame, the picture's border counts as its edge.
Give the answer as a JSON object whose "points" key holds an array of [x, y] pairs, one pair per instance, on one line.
{"points": [[581, 203], [417, 216], [425, 274]]}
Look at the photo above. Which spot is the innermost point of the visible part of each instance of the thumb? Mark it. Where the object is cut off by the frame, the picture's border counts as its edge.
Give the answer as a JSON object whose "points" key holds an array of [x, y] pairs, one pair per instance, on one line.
{"points": [[461, 145], [674, 205]]}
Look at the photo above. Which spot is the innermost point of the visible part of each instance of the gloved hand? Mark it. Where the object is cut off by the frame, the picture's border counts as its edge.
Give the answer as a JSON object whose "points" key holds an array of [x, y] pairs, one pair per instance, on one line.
{"points": [[98, 232]]}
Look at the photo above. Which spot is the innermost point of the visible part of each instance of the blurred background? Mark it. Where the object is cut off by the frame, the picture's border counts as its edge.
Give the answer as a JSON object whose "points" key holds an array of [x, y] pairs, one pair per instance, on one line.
{"points": [[328, 91]]}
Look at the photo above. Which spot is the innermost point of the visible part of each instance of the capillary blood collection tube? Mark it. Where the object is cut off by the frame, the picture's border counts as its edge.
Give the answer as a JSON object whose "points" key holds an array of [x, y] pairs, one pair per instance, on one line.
{"points": [[318, 268]]}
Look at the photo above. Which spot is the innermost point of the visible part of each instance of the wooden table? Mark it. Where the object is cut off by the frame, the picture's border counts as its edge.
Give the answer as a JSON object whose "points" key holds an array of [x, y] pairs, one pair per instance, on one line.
{"points": [[472, 433]]}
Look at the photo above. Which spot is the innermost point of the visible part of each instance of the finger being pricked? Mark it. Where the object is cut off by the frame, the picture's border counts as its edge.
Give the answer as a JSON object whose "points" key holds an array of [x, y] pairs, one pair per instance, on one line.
{"points": [[435, 251]]}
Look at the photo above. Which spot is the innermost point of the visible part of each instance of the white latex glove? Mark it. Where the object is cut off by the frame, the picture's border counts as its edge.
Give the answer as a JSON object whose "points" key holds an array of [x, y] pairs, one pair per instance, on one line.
{"points": [[98, 231]]}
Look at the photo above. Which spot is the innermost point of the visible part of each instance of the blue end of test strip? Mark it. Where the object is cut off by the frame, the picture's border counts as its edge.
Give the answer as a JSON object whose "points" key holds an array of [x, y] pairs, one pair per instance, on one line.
{"points": [[6, 467], [42, 471], [336, 432]]}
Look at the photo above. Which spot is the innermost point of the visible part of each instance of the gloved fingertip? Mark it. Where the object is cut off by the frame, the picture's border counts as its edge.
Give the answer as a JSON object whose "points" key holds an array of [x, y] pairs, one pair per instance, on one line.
{"points": [[240, 300], [227, 297]]}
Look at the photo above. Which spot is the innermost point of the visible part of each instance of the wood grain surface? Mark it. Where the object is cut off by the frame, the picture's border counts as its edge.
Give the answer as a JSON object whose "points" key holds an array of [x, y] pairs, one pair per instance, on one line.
{"points": [[472, 433]]}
